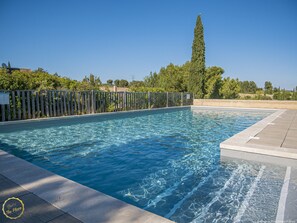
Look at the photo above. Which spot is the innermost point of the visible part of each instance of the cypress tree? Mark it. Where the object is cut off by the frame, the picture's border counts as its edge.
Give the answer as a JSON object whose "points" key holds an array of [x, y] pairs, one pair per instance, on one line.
{"points": [[197, 72]]}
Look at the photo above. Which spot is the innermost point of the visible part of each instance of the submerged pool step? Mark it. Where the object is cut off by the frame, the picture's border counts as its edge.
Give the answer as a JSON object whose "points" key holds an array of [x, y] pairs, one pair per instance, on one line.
{"points": [[223, 203], [180, 203], [248, 196]]}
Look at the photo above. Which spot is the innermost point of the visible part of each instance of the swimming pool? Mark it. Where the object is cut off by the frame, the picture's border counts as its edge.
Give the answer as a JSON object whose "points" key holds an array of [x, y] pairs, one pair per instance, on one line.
{"points": [[165, 161]]}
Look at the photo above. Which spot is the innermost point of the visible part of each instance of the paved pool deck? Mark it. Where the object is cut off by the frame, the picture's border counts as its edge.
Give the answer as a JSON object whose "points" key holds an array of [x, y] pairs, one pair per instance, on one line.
{"points": [[273, 140]]}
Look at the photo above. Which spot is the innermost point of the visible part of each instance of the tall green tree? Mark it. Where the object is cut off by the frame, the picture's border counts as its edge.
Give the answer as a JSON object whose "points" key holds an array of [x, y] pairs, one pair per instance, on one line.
{"points": [[268, 87], [197, 74], [230, 88], [109, 82]]}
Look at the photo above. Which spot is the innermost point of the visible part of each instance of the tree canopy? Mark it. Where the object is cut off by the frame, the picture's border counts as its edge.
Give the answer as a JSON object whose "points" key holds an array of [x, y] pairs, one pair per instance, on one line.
{"points": [[197, 72]]}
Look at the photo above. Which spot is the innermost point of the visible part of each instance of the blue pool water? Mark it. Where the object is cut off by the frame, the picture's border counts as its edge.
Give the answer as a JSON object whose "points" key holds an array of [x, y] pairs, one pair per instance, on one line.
{"points": [[166, 161]]}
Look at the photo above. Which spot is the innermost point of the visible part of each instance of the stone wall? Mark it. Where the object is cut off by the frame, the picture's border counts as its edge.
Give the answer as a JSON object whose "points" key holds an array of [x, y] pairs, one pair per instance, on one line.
{"points": [[246, 103]]}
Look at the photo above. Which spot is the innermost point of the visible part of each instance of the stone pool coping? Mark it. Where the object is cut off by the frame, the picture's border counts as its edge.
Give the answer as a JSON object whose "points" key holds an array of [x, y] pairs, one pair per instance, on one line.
{"points": [[238, 145], [81, 202]]}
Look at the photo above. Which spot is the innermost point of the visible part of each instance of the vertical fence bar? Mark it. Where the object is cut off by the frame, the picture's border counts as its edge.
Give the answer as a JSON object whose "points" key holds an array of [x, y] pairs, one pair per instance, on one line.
{"points": [[37, 104], [8, 111], [13, 105], [24, 105], [75, 103], [64, 101], [93, 102], [78, 103], [82, 102], [3, 112], [61, 103], [89, 102], [47, 104], [19, 105], [182, 99], [167, 99], [54, 104], [71, 102], [58, 103], [68, 103], [33, 104], [42, 103], [50, 103], [28, 104], [149, 100]]}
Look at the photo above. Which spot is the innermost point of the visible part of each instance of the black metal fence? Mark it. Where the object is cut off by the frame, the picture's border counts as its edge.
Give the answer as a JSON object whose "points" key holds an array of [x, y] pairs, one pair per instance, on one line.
{"points": [[39, 104]]}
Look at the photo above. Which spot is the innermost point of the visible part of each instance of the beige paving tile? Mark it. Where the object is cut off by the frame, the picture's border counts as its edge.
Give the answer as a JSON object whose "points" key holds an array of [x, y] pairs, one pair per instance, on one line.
{"points": [[268, 134], [292, 133], [290, 143], [267, 141]]}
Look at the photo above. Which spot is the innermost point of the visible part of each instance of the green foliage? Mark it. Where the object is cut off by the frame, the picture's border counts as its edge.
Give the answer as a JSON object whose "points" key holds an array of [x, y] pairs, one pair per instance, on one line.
{"points": [[42, 80], [152, 80], [137, 84], [109, 82], [248, 87], [146, 89], [268, 87], [213, 82], [230, 88], [121, 83], [197, 73], [173, 78], [294, 94], [283, 95]]}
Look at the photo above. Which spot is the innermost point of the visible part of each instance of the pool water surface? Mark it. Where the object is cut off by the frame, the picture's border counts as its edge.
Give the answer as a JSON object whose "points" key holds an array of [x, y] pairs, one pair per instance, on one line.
{"points": [[165, 161]]}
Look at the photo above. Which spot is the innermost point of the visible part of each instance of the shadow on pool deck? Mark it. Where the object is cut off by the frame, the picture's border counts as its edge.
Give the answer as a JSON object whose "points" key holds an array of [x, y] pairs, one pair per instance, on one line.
{"points": [[51, 198]]}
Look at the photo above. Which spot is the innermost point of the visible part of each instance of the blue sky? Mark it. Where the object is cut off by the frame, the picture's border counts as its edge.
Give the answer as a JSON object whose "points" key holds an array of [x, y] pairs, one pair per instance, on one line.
{"points": [[116, 39]]}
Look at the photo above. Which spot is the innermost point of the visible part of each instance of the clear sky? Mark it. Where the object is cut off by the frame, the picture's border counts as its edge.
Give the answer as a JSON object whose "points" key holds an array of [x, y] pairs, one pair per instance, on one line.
{"points": [[125, 39]]}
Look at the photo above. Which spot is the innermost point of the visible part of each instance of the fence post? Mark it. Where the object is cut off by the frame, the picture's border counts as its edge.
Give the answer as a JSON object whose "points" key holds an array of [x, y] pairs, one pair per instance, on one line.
{"points": [[64, 100], [125, 100], [13, 104], [33, 104], [149, 100], [54, 103], [41, 103], [3, 112], [93, 102], [19, 105], [24, 105], [167, 99], [182, 99], [47, 104], [8, 111]]}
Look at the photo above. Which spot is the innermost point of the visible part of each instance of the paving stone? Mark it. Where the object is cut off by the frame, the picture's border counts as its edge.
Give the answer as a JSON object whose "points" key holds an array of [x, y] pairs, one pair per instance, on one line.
{"points": [[290, 143], [38, 210], [65, 218], [10, 189], [292, 133], [267, 141]]}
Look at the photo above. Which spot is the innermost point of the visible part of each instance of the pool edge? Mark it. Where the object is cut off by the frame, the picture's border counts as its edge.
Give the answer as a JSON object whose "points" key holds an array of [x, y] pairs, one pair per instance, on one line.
{"points": [[82, 202], [88, 115]]}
